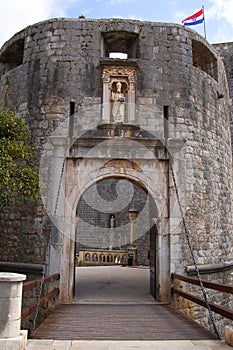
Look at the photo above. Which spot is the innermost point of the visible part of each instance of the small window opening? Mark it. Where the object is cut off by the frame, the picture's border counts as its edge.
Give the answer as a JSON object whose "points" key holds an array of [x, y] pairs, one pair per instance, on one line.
{"points": [[166, 117], [122, 42], [71, 120], [204, 59], [120, 55], [72, 108], [12, 56]]}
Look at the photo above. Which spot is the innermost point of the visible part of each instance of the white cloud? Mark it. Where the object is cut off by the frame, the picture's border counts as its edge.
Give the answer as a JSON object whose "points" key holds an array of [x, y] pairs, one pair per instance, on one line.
{"points": [[133, 17], [15, 15], [219, 18], [221, 9]]}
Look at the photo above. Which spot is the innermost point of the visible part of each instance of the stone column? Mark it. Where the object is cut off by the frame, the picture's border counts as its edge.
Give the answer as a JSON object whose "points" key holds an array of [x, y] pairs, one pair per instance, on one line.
{"points": [[132, 233], [131, 97], [106, 106], [67, 255], [10, 311]]}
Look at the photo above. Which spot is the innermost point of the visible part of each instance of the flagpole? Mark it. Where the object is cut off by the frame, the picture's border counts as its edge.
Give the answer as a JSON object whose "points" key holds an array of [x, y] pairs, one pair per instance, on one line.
{"points": [[204, 20]]}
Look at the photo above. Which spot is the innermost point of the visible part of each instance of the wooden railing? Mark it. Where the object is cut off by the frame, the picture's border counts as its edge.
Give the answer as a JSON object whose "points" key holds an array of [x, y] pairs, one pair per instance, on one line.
{"points": [[49, 296], [225, 312]]}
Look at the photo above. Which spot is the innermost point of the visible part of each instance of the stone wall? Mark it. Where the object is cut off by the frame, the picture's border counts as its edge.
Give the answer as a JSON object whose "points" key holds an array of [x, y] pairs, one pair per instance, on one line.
{"points": [[25, 233], [225, 51], [53, 69], [201, 314]]}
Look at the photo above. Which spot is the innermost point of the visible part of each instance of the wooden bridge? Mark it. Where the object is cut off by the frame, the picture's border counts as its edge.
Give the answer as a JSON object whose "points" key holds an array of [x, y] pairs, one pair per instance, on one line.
{"points": [[120, 321]]}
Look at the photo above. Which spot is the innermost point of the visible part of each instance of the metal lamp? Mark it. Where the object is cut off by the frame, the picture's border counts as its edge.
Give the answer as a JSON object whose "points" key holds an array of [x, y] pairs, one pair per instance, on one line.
{"points": [[133, 213]]}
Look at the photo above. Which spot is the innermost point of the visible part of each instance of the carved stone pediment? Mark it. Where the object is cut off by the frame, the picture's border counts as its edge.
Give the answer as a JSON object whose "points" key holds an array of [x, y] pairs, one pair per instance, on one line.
{"points": [[119, 71]]}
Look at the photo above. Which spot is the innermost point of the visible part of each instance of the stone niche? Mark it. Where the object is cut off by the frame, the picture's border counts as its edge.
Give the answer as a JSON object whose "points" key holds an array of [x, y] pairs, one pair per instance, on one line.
{"points": [[119, 86]]}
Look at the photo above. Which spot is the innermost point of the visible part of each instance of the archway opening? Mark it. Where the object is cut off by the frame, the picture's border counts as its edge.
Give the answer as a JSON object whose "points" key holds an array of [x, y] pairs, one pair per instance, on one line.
{"points": [[115, 253]]}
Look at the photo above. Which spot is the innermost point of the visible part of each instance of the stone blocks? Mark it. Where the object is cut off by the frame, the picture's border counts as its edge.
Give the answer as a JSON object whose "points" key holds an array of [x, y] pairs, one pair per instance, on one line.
{"points": [[10, 304], [11, 338], [229, 335], [15, 343], [61, 67]]}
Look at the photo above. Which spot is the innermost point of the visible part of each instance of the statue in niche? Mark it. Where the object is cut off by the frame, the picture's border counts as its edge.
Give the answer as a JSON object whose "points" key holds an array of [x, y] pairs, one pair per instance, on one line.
{"points": [[118, 107], [112, 221]]}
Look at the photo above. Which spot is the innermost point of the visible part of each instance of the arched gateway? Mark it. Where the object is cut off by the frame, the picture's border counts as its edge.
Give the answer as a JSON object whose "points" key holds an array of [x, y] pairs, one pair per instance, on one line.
{"points": [[96, 118], [82, 174]]}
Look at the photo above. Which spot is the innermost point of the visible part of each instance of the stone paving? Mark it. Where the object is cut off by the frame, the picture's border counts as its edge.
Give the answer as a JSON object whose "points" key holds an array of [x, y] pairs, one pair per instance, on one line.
{"points": [[126, 345], [106, 284]]}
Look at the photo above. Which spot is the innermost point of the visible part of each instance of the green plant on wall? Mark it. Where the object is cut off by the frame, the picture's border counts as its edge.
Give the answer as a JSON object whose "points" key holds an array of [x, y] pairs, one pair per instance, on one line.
{"points": [[18, 172], [32, 34]]}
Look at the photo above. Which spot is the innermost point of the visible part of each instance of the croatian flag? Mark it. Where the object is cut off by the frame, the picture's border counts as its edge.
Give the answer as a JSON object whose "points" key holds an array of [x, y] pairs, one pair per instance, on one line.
{"points": [[197, 18]]}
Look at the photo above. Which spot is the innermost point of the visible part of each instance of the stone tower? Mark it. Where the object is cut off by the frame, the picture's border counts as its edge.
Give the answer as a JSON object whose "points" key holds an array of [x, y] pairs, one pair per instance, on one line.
{"points": [[117, 128]]}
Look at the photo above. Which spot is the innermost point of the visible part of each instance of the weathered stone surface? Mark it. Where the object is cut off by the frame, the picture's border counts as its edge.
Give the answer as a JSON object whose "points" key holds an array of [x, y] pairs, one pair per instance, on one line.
{"points": [[229, 335], [16, 343], [181, 96], [10, 304]]}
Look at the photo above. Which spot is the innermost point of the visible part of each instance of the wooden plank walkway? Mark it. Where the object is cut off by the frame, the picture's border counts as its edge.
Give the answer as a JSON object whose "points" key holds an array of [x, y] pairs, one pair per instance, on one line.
{"points": [[119, 322]]}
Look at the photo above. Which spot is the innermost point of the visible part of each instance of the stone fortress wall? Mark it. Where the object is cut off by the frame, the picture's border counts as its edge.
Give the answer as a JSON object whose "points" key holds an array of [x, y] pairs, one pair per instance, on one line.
{"points": [[225, 51], [54, 69]]}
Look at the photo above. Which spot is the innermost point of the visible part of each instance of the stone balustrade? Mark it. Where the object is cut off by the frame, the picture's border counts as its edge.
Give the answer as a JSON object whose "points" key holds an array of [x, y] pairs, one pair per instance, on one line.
{"points": [[90, 257]]}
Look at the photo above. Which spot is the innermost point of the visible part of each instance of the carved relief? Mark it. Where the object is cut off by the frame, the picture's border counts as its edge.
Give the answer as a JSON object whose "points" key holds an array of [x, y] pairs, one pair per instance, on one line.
{"points": [[125, 164]]}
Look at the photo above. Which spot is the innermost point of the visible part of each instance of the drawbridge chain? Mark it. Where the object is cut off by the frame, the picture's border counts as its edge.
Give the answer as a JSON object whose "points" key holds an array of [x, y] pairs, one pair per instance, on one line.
{"points": [[59, 187], [192, 252], [38, 301]]}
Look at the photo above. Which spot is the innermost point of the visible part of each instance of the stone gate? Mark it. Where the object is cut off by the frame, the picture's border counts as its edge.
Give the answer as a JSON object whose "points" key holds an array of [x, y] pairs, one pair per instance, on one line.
{"points": [[96, 118]]}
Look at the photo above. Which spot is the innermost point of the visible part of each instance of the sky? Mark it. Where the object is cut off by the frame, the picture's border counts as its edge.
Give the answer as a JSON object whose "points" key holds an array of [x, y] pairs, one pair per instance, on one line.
{"points": [[15, 15]]}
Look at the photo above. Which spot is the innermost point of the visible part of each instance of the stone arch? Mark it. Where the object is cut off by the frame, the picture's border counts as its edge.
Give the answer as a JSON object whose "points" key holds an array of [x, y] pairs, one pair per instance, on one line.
{"points": [[135, 175], [68, 238]]}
